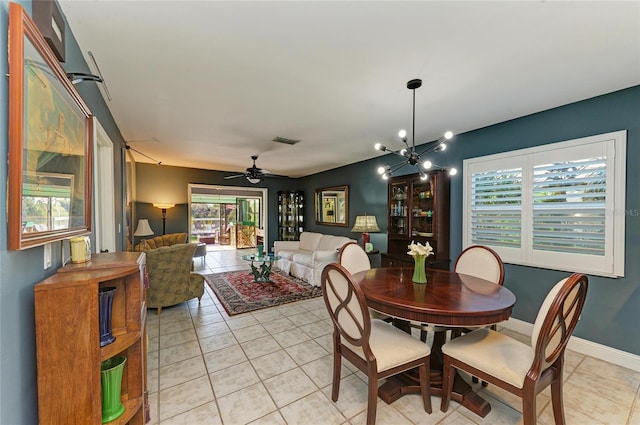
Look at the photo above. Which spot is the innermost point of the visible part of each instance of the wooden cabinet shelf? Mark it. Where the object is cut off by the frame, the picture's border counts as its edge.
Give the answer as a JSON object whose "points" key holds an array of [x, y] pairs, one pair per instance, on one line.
{"points": [[418, 210], [68, 339]]}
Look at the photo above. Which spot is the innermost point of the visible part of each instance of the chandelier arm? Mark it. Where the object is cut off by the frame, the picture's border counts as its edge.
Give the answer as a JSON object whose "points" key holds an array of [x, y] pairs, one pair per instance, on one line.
{"points": [[429, 149], [396, 167], [399, 154]]}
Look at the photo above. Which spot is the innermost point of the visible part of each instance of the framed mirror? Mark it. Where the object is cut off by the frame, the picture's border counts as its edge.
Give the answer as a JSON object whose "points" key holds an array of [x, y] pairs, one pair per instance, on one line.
{"points": [[332, 206], [50, 137]]}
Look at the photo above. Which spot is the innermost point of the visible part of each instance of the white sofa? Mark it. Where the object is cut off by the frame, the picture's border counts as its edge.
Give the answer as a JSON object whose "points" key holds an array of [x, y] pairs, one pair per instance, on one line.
{"points": [[306, 258]]}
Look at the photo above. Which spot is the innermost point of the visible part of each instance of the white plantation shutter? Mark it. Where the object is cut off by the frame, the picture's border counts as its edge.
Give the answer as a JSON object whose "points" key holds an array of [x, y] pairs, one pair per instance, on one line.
{"points": [[569, 206], [558, 206], [496, 206]]}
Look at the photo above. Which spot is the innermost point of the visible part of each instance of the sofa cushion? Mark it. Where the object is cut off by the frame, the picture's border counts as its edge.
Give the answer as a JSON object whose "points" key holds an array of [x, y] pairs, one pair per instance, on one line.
{"points": [[160, 241], [331, 242], [309, 240], [286, 255], [304, 259]]}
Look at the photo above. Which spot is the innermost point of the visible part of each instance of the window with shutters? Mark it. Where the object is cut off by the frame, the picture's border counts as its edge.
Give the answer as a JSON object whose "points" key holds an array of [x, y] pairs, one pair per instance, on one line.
{"points": [[559, 206]]}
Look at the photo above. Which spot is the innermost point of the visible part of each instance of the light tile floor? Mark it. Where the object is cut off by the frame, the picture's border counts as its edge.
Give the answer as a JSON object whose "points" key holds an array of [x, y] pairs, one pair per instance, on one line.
{"points": [[274, 366]]}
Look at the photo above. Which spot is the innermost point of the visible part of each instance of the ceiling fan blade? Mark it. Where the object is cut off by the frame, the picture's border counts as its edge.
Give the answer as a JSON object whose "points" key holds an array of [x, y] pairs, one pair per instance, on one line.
{"points": [[234, 176]]}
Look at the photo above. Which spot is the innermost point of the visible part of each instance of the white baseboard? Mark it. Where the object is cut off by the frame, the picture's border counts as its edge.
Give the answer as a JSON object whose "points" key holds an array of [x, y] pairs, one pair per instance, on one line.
{"points": [[582, 346]]}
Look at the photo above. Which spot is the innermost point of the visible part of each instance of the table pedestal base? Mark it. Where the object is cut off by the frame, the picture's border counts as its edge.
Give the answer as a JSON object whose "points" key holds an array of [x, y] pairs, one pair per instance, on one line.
{"points": [[399, 385], [409, 382]]}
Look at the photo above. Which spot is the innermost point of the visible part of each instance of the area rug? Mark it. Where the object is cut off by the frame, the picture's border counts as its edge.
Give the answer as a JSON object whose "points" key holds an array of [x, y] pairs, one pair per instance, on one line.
{"points": [[238, 293]]}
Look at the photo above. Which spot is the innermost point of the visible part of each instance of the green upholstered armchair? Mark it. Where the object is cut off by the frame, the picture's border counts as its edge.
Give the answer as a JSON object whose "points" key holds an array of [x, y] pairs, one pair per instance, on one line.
{"points": [[170, 278]]}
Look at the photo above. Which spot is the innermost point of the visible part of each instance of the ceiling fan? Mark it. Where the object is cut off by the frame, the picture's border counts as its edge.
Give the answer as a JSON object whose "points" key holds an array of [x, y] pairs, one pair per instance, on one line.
{"points": [[254, 174]]}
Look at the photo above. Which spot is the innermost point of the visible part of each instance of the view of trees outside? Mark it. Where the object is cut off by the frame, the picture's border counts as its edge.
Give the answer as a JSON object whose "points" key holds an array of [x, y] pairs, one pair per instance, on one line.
{"points": [[40, 214], [211, 219]]}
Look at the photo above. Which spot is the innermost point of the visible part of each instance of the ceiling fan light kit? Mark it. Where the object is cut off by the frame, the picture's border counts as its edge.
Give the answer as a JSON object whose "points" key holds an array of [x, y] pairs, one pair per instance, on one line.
{"points": [[409, 154]]}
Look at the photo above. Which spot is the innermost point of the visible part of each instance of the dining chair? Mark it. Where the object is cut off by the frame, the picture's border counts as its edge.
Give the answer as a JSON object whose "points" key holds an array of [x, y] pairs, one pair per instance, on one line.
{"points": [[479, 261], [515, 366], [353, 258], [376, 348]]}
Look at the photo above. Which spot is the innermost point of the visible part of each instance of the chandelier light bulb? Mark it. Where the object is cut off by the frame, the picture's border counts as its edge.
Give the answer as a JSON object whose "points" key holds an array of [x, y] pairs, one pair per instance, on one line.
{"points": [[379, 146], [402, 134], [427, 164], [385, 176], [443, 147], [381, 170], [403, 152], [423, 176], [448, 135], [453, 172]]}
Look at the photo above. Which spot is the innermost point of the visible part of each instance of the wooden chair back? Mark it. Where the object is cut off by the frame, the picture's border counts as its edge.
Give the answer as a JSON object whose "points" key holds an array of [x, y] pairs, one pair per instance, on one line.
{"points": [[481, 261], [557, 318], [347, 305], [353, 258]]}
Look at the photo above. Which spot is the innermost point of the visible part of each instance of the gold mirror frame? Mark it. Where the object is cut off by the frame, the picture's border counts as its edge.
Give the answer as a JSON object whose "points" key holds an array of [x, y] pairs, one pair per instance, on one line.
{"points": [[50, 136], [332, 206]]}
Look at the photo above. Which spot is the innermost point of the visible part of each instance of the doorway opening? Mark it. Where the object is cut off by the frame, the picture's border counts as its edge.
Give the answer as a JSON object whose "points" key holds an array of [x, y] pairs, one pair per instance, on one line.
{"points": [[227, 217]]}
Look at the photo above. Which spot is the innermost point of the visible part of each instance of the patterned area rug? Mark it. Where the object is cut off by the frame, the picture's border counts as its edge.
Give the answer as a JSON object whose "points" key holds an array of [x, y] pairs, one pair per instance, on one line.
{"points": [[238, 293]]}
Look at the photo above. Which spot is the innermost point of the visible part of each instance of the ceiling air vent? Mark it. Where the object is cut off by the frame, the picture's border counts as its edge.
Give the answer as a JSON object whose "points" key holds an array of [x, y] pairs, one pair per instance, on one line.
{"points": [[285, 141]]}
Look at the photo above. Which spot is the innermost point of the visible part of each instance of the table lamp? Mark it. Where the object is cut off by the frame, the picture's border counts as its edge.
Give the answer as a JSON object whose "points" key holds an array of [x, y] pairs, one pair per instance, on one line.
{"points": [[143, 229], [365, 224]]}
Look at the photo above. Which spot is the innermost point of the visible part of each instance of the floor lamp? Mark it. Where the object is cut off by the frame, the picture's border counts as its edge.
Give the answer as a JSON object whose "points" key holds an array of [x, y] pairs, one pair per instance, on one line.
{"points": [[164, 208]]}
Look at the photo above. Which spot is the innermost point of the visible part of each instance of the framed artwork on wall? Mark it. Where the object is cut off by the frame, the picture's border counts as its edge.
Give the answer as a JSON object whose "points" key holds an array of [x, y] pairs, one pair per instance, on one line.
{"points": [[50, 143]]}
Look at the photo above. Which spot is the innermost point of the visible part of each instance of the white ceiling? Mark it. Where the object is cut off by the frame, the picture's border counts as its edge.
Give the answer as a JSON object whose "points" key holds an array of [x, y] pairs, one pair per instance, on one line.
{"points": [[207, 84]]}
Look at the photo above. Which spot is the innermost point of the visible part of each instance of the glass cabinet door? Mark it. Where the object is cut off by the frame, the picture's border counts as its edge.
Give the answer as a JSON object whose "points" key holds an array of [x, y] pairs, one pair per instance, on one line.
{"points": [[422, 208], [290, 215], [398, 206]]}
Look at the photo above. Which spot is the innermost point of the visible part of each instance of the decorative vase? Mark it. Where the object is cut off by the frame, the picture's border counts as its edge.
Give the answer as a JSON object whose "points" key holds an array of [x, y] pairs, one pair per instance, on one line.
{"points": [[111, 378], [105, 298], [419, 274]]}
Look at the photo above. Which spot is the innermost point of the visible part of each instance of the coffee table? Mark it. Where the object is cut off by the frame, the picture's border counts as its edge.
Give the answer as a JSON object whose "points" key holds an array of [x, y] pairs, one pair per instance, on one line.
{"points": [[262, 272]]}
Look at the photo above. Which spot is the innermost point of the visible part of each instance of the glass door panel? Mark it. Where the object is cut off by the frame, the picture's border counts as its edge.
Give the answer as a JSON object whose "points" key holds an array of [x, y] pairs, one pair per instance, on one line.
{"points": [[398, 219]]}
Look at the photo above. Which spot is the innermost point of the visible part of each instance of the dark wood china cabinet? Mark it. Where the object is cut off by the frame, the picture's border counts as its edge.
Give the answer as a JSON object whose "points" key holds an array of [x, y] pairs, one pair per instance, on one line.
{"points": [[418, 210]]}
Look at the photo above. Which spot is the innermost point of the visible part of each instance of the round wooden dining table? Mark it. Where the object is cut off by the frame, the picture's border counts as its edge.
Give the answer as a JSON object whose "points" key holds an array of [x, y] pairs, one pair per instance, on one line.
{"points": [[447, 300]]}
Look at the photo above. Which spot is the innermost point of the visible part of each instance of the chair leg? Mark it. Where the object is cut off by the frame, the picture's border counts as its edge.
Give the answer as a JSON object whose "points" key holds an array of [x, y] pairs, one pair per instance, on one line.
{"points": [[425, 385], [529, 407], [337, 364], [447, 383], [159, 311], [557, 401], [373, 398]]}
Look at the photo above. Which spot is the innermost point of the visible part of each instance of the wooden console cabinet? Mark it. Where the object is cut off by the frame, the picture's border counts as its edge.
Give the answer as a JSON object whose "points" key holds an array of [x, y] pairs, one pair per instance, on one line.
{"points": [[68, 339], [418, 210]]}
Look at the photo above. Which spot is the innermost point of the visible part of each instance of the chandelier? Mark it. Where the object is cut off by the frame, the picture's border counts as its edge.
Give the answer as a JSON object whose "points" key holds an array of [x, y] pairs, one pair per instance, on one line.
{"points": [[409, 154]]}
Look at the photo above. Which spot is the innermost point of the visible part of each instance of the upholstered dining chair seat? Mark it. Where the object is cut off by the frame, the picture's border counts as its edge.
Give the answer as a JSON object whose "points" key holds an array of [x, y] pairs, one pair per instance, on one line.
{"points": [[390, 346], [493, 353]]}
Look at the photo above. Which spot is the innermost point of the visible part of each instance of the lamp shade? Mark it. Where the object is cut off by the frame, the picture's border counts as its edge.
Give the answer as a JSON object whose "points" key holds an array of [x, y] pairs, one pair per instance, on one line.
{"points": [[143, 228], [365, 224], [164, 206]]}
